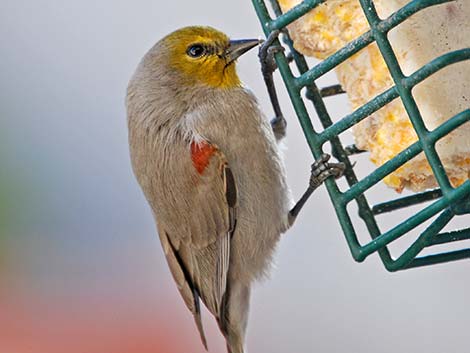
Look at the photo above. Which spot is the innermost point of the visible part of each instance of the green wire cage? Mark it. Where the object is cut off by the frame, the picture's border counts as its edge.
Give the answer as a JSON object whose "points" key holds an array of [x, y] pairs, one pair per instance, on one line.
{"points": [[442, 204]]}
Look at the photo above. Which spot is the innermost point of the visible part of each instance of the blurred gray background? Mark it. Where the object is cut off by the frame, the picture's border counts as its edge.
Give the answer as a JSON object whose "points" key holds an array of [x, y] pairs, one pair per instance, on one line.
{"points": [[78, 240]]}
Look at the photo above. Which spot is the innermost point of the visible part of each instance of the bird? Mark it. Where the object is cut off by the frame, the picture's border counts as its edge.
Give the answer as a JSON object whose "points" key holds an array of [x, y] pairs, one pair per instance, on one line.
{"points": [[210, 167]]}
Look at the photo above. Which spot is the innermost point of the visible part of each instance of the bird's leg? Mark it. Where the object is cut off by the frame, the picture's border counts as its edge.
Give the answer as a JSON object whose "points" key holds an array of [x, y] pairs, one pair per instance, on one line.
{"points": [[321, 170], [268, 66]]}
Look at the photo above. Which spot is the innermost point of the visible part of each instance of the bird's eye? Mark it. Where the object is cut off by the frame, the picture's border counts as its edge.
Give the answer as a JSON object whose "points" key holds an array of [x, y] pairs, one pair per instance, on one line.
{"points": [[196, 50]]}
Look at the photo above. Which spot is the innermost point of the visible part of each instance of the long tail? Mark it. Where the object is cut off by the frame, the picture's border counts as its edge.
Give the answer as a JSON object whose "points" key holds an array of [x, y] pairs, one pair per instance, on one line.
{"points": [[234, 316]]}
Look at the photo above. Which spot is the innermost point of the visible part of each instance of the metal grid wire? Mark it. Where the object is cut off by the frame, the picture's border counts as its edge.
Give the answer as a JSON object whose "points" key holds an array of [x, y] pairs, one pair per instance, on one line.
{"points": [[447, 201]]}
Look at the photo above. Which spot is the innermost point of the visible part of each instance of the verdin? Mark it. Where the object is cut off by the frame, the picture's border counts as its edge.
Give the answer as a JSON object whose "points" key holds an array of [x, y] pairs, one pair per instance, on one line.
{"points": [[208, 163]]}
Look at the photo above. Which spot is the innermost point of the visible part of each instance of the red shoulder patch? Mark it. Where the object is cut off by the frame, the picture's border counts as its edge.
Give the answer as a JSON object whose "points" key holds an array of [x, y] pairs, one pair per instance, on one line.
{"points": [[201, 153]]}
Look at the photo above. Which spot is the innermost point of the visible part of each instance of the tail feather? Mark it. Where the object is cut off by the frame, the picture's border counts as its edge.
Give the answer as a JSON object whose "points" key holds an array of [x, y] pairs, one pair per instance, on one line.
{"points": [[234, 346], [233, 316]]}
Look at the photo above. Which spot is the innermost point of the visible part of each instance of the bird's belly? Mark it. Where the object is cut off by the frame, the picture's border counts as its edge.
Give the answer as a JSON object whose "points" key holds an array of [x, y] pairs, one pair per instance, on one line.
{"points": [[263, 206]]}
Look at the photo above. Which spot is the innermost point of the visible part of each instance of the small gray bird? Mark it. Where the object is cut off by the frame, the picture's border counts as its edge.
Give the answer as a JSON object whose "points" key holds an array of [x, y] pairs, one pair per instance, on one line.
{"points": [[208, 163]]}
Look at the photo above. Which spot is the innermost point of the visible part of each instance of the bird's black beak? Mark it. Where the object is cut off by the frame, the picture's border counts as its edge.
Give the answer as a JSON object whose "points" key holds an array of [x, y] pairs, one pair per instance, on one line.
{"points": [[239, 47]]}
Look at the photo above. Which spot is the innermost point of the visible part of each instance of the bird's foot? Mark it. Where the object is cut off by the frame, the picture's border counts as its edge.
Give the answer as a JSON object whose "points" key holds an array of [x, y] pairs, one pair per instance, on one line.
{"points": [[268, 65], [322, 170], [267, 51]]}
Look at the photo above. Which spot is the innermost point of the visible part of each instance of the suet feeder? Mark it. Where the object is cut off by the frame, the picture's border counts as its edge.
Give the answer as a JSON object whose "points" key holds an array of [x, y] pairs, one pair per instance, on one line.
{"points": [[436, 207]]}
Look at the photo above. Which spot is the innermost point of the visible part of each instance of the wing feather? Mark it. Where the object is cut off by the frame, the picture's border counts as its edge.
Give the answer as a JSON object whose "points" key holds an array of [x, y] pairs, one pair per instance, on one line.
{"points": [[200, 261]]}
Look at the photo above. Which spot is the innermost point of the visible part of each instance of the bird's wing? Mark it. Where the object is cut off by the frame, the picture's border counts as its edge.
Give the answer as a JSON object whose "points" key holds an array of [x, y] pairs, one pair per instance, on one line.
{"points": [[199, 260]]}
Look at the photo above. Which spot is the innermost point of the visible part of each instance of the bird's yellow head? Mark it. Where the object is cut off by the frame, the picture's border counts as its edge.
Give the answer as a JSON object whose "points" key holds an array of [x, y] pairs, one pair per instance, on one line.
{"points": [[205, 55]]}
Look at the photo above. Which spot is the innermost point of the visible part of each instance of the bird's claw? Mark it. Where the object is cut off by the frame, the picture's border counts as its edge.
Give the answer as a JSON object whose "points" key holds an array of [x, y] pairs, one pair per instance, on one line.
{"points": [[322, 170], [267, 51]]}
